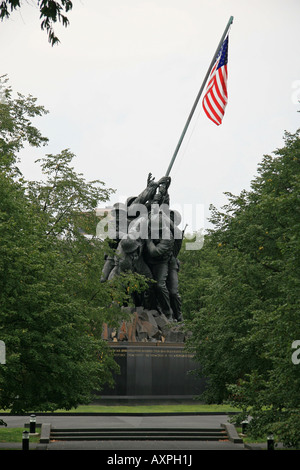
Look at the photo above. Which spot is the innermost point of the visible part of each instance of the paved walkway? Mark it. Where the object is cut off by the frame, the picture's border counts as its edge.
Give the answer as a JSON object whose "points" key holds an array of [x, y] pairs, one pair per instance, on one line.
{"points": [[184, 421]]}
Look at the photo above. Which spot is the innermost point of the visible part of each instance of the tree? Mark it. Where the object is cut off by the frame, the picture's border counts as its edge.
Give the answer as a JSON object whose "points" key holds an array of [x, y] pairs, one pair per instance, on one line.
{"points": [[52, 304], [16, 126], [51, 356], [50, 12], [246, 313]]}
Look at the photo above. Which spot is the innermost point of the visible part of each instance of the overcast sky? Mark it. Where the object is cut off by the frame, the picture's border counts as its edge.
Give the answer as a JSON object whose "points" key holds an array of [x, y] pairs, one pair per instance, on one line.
{"points": [[121, 83]]}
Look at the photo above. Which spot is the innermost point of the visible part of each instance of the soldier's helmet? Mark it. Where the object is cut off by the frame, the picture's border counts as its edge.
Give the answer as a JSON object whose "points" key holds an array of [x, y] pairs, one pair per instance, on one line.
{"points": [[129, 244]]}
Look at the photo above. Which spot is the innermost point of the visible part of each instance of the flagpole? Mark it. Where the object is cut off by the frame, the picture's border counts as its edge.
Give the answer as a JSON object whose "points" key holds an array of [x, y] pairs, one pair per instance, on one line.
{"points": [[198, 97]]}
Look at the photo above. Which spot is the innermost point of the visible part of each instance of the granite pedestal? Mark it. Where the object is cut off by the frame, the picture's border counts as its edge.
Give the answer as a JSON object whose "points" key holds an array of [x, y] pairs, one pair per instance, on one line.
{"points": [[153, 372]]}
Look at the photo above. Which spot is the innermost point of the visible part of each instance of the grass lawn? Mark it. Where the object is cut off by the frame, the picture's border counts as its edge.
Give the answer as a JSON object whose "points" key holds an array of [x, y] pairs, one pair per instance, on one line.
{"points": [[179, 408], [14, 435], [194, 408]]}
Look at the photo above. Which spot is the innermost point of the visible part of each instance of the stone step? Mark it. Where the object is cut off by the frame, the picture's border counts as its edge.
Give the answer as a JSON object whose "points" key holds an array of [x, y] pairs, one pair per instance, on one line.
{"points": [[139, 434]]}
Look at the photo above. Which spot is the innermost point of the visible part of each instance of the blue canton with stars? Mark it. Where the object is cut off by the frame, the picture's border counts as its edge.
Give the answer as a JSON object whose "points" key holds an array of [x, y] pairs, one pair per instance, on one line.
{"points": [[224, 54]]}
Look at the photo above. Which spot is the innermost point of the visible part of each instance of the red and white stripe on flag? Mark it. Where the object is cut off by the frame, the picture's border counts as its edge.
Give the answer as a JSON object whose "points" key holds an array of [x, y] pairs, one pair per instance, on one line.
{"points": [[215, 98]]}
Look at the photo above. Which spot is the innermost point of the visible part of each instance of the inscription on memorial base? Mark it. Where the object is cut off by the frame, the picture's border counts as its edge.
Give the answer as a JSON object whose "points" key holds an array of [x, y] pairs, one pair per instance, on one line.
{"points": [[154, 371]]}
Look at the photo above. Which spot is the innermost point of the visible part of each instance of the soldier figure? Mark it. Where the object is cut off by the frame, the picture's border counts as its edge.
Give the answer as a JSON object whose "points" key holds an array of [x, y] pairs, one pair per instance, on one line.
{"points": [[119, 214], [153, 255], [172, 280], [158, 254]]}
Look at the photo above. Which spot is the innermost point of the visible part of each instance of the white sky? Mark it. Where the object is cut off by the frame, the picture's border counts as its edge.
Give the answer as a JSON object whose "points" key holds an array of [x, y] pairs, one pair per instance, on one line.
{"points": [[120, 86]]}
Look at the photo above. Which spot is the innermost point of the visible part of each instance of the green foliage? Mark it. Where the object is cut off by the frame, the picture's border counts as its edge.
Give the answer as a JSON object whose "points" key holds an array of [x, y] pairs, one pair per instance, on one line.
{"points": [[50, 12], [16, 127], [244, 296], [52, 304]]}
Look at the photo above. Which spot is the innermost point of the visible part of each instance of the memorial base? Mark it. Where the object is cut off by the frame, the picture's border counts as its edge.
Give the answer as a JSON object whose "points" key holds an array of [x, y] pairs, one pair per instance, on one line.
{"points": [[153, 373]]}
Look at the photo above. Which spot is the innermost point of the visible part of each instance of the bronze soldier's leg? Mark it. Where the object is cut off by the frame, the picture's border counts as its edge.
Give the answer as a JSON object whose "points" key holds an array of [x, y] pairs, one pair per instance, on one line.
{"points": [[175, 300], [160, 274]]}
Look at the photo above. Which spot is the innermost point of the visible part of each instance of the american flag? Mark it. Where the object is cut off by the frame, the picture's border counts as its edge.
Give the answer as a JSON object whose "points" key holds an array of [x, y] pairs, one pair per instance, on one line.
{"points": [[215, 98]]}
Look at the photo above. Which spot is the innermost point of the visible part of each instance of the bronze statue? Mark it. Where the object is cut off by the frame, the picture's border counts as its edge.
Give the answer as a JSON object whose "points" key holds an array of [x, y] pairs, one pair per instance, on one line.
{"points": [[147, 241]]}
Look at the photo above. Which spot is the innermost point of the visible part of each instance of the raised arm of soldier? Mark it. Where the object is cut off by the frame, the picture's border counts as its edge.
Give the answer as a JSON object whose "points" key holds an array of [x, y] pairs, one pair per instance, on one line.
{"points": [[147, 194]]}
